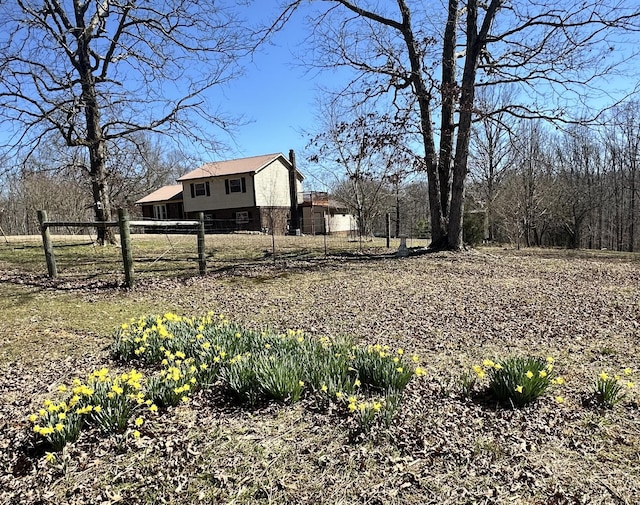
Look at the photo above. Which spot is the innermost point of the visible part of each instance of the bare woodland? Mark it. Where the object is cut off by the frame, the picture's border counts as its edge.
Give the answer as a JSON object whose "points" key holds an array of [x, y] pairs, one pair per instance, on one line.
{"points": [[517, 117], [93, 76]]}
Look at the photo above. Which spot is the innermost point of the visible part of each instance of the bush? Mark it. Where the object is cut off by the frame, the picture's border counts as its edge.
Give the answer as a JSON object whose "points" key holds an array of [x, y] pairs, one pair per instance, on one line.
{"points": [[473, 228]]}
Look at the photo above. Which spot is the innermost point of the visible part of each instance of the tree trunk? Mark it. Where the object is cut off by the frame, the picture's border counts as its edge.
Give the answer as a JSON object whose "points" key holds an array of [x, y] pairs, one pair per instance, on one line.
{"points": [[467, 96], [423, 96], [449, 94], [95, 140]]}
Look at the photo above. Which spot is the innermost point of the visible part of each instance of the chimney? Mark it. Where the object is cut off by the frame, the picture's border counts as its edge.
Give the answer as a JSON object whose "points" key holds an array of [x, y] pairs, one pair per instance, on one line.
{"points": [[294, 227]]}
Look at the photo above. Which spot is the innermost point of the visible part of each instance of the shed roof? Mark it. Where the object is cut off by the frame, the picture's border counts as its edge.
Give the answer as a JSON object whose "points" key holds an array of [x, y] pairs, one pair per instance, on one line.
{"points": [[165, 193], [234, 167]]}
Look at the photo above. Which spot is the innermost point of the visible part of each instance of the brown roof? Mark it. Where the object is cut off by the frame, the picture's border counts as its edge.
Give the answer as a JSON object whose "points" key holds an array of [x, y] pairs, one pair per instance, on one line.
{"points": [[173, 192], [232, 167]]}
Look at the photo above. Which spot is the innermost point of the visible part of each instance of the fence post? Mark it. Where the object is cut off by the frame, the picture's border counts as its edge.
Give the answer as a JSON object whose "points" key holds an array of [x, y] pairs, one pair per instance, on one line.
{"points": [[125, 242], [388, 228], [47, 245], [202, 258]]}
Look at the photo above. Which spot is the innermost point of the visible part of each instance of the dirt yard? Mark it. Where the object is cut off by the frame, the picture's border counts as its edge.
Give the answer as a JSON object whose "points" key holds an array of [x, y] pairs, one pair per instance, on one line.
{"points": [[453, 310]]}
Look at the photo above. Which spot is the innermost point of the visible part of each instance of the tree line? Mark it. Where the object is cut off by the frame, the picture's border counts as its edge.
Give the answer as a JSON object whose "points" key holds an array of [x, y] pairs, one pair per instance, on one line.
{"points": [[434, 94]]}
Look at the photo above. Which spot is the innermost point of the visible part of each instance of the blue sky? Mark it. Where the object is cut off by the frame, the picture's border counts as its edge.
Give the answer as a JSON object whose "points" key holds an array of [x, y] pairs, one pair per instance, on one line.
{"points": [[276, 96]]}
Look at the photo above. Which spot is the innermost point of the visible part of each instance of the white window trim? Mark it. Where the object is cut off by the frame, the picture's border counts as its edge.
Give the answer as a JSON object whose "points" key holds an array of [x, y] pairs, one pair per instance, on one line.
{"points": [[199, 189], [160, 211]]}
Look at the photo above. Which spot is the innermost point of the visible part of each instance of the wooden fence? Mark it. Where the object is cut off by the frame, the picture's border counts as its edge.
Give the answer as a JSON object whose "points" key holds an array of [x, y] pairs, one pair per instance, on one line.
{"points": [[124, 225]]}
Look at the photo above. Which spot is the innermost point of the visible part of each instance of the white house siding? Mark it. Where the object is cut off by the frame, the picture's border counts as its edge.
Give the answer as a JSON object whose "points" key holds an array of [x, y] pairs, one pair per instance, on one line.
{"points": [[272, 185], [342, 224], [218, 198]]}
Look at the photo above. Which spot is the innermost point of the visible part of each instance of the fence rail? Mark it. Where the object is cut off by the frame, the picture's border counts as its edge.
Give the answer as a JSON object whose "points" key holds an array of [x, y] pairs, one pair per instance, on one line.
{"points": [[124, 225]]}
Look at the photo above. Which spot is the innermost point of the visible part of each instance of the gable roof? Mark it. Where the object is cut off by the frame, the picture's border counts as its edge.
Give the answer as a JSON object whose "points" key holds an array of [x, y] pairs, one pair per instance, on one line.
{"points": [[165, 193], [234, 167]]}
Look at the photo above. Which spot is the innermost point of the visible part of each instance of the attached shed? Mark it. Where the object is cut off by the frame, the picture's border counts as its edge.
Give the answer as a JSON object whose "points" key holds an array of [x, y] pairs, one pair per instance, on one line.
{"points": [[163, 203], [322, 214]]}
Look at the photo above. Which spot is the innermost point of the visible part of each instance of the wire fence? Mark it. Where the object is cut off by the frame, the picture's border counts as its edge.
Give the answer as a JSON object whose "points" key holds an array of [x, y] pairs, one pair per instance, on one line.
{"points": [[172, 252]]}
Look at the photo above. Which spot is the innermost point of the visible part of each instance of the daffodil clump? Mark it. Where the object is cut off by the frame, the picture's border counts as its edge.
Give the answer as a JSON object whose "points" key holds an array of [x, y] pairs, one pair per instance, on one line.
{"points": [[114, 398], [239, 378], [381, 369], [518, 381], [106, 401], [174, 383], [610, 390], [57, 423], [369, 411], [254, 365]]}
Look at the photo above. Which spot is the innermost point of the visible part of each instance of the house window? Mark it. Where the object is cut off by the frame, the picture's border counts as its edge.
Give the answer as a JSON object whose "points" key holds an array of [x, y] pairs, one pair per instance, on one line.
{"points": [[160, 211], [200, 189], [242, 217], [235, 185]]}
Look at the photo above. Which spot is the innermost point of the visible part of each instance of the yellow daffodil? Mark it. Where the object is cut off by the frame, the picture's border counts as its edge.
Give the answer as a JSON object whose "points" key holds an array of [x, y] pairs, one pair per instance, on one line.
{"points": [[559, 399], [603, 376], [529, 374], [628, 371], [479, 371], [519, 389]]}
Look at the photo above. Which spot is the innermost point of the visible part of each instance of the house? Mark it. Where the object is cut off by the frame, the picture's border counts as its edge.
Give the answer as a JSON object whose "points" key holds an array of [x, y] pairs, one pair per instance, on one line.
{"points": [[258, 193], [320, 214]]}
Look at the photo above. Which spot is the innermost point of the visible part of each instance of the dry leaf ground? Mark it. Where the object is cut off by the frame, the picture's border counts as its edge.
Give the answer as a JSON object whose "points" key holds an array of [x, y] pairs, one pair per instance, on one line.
{"points": [[452, 309]]}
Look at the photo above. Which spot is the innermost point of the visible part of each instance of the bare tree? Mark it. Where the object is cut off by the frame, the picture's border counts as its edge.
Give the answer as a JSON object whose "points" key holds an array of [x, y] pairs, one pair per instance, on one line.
{"points": [[525, 205], [95, 71], [577, 161], [362, 155], [491, 151], [430, 60]]}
